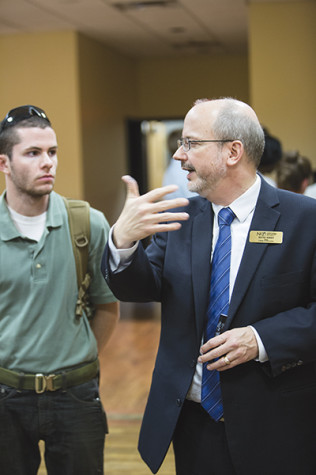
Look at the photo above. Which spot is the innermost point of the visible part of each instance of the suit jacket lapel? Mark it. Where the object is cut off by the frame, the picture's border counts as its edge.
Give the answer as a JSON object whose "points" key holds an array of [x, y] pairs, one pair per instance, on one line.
{"points": [[202, 228], [265, 219]]}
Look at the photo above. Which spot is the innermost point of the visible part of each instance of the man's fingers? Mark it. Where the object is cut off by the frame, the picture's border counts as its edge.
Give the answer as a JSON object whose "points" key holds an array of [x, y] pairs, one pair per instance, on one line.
{"points": [[159, 194], [132, 189], [239, 345], [165, 227], [173, 203], [167, 217], [159, 220], [214, 342], [155, 195]]}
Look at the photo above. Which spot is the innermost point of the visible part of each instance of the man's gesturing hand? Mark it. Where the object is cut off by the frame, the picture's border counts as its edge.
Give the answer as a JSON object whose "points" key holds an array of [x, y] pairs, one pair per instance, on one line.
{"points": [[143, 215]]}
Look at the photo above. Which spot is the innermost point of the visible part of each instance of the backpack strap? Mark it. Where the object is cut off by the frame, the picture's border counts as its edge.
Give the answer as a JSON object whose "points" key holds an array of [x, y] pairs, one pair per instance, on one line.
{"points": [[79, 227]]}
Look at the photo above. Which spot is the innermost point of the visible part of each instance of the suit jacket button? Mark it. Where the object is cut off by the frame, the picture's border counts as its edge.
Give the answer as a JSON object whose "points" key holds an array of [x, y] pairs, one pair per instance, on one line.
{"points": [[179, 402], [193, 364]]}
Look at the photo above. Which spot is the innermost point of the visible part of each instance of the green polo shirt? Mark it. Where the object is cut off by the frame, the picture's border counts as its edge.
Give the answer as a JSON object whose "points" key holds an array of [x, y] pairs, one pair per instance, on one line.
{"points": [[39, 332]]}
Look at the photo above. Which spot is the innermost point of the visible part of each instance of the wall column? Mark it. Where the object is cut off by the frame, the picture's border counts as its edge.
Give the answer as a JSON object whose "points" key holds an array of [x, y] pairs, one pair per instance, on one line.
{"points": [[42, 69], [282, 45]]}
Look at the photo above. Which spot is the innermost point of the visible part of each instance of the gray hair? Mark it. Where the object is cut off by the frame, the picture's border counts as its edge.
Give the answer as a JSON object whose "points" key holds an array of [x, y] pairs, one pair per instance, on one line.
{"points": [[234, 121]]}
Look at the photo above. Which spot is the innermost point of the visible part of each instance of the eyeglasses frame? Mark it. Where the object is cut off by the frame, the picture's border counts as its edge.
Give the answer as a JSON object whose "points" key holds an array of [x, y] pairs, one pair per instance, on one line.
{"points": [[187, 145]]}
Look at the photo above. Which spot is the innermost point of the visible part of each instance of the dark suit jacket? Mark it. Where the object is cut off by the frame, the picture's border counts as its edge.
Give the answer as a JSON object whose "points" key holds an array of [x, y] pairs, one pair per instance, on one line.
{"points": [[269, 408]]}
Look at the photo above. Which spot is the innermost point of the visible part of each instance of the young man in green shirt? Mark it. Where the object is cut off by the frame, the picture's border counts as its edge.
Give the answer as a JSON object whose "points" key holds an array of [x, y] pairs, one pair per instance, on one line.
{"points": [[48, 355]]}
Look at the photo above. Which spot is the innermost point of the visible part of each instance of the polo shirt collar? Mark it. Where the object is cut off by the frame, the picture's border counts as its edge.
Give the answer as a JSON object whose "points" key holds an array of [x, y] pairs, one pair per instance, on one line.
{"points": [[54, 212], [8, 230]]}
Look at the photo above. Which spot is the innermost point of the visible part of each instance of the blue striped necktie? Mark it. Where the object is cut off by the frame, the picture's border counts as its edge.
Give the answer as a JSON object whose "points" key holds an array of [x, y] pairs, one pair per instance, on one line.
{"points": [[211, 398]]}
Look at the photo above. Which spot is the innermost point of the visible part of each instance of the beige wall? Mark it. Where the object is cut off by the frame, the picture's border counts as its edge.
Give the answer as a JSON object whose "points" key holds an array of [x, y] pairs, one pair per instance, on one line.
{"points": [[41, 69], [282, 42], [108, 94], [168, 87]]}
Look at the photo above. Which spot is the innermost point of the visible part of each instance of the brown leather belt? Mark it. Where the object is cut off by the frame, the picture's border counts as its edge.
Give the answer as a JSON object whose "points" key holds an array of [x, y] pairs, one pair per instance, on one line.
{"points": [[40, 382]]}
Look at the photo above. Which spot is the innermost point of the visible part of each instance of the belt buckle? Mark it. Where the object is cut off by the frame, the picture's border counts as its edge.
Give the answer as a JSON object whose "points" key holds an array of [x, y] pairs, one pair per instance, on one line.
{"points": [[50, 382], [40, 383], [44, 383]]}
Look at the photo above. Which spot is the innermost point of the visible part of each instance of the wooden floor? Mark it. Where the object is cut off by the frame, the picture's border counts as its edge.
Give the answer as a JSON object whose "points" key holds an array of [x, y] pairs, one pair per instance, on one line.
{"points": [[126, 368]]}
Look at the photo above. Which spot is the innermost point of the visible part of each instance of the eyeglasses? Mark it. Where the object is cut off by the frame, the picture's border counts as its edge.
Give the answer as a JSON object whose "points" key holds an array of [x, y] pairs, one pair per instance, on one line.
{"points": [[186, 143], [21, 113]]}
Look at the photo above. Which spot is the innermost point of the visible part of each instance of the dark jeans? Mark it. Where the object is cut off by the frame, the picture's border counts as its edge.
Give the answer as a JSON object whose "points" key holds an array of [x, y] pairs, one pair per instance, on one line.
{"points": [[71, 422]]}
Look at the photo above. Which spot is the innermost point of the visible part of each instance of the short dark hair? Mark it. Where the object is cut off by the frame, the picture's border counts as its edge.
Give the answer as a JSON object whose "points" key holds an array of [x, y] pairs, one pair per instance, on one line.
{"points": [[272, 153], [9, 136]]}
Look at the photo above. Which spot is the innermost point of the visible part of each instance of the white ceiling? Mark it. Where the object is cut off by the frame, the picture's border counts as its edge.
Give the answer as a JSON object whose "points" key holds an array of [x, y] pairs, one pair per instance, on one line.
{"points": [[148, 28]]}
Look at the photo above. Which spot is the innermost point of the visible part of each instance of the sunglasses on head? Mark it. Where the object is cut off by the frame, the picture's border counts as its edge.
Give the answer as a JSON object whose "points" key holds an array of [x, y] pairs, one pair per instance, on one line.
{"points": [[21, 113]]}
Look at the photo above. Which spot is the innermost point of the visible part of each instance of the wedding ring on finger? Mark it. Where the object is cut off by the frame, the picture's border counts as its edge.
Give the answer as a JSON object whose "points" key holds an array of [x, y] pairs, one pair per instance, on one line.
{"points": [[226, 360]]}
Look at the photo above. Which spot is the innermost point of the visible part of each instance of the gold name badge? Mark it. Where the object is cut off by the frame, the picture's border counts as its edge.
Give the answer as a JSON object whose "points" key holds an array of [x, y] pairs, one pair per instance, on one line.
{"points": [[269, 237]]}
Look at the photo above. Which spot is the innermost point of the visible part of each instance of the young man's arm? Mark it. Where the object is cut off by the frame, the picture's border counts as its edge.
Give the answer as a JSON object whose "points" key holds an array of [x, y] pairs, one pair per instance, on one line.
{"points": [[103, 322]]}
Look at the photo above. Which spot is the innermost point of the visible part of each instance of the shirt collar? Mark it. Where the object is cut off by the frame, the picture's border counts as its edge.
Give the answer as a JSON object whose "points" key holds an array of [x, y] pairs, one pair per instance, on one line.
{"points": [[8, 230], [55, 210], [245, 203]]}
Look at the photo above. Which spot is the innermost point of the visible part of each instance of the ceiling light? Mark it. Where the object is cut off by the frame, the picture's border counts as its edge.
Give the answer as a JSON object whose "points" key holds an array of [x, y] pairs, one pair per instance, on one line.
{"points": [[138, 5]]}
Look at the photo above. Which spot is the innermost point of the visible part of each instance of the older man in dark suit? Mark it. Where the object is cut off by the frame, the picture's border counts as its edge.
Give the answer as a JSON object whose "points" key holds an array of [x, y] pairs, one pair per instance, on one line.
{"points": [[234, 382]]}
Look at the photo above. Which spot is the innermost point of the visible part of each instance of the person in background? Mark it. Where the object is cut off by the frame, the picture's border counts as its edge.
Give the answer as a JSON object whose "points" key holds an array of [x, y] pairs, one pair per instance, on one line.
{"points": [[48, 355], [294, 172], [174, 174], [311, 189], [234, 384], [271, 156]]}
